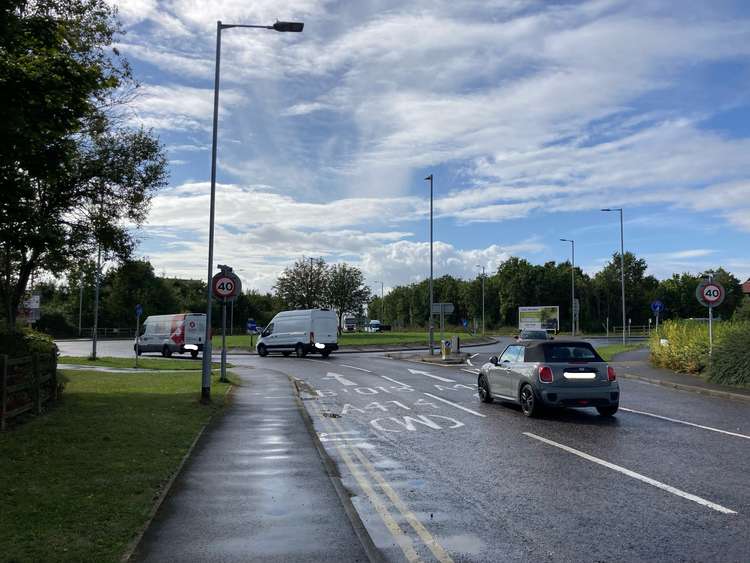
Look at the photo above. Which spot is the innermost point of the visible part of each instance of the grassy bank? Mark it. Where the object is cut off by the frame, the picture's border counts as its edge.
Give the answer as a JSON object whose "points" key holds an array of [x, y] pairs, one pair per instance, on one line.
{"points": [[144, 363], [609, 351], [359, 338], [79, 481]]}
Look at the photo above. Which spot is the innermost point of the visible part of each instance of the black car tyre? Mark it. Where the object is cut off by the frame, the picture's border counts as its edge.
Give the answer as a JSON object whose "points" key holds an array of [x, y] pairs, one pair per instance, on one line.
{"points": [[262, 350], [166, 351], [484, 390], [607, 411], [299, 351], [529, 404], [193, 354]]}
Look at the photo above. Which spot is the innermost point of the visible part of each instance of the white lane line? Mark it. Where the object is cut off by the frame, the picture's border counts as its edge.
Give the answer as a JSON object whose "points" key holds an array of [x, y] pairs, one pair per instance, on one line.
{"points": [[474, 355], [634, 475], [447, 402], [311, 360], [444, 379], [687, 423], [474, 371], [355, 367], [468, 361], [395, 381]]}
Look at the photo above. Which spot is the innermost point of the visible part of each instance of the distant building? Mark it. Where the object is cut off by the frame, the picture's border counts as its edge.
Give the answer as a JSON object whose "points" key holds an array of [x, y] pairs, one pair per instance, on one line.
{"points": [[746, 287]]}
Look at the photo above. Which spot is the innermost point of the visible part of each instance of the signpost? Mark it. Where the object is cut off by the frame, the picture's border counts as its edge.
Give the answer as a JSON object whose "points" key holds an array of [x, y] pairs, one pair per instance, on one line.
{"points": [[252, 328], [442, 309], [657, 307], [138, 313], [226, 286], [710, 294]]}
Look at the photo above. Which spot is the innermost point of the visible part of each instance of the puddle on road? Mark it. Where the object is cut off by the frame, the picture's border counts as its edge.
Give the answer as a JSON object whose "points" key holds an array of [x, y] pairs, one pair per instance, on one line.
{"points": [[462, 543]]}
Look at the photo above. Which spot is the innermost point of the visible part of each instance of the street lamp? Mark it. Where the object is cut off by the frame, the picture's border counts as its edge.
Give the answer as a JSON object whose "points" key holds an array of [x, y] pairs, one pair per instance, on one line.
{"points": [[572, 284], [430, 324], [382, 319], [622, 268], [278, 26], [478, 266]]}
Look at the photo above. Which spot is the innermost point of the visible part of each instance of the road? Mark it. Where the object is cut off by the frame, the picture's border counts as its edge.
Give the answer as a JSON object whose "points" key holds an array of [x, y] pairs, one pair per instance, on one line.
{"points": [[437, 475]]}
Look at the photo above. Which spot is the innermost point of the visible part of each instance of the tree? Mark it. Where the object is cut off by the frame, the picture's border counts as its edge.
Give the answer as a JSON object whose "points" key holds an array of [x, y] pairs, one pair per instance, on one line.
{"points": [[346, 291], [303, 285], [69, 177]]}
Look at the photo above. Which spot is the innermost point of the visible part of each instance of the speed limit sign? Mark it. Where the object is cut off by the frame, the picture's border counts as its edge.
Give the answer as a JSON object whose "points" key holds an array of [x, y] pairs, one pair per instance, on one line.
{"points": [[226, 285], [710, 293]]}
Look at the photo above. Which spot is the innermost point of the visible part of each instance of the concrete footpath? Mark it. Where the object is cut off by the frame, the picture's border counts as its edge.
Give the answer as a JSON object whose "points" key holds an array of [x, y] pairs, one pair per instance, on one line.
{"points": [[254, 489], [635, 365]]}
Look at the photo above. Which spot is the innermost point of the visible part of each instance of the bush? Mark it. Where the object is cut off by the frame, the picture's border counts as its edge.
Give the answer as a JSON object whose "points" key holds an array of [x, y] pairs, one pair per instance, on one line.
{"points": [[687, 348], [730, 361], [25, 342], [55, 324]]}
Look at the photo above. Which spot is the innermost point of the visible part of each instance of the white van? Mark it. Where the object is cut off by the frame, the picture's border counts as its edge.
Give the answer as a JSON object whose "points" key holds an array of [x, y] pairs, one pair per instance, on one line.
{"points": [[171, 334], [302, 332]]}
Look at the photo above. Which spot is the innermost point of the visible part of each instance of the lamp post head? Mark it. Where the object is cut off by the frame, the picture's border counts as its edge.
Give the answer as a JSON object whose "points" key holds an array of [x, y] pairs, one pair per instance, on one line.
{"points": [[429, 178], [295, 27]]}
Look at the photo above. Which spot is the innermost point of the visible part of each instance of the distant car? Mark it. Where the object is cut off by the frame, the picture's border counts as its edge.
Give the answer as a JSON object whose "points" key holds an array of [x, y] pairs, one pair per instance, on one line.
{"points": [[534, 335], [535, 374]]}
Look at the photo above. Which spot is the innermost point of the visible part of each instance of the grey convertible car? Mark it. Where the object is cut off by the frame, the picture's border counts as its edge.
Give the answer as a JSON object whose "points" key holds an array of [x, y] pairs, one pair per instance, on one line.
{"points": [[550, 373]]}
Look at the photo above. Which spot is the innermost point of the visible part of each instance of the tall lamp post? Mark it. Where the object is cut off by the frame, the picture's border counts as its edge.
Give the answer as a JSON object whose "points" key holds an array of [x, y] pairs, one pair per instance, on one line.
{"points": [[483, 276], [278, 26], [382, 320], [622, 268], [572, 284], [431, 329]]}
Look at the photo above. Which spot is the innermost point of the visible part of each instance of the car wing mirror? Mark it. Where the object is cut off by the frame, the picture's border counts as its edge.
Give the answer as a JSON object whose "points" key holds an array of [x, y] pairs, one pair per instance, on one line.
{"points": [[516, 337], [493, 360]]}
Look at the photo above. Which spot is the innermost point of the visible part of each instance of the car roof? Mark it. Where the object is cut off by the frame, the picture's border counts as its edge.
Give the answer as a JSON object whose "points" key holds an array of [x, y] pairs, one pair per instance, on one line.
{"points": [[541, 343]]}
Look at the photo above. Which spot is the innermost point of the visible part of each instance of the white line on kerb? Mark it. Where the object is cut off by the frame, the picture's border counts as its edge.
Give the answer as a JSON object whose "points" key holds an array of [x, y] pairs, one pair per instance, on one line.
{"points": [[474, 371], [446, 401], [395, 381], [687, 423], [634, 475], [355, 367]]}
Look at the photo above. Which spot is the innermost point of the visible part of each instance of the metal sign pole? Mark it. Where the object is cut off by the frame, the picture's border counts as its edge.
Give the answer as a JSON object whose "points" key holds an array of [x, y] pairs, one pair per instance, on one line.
{"points": [[137, 337], [223, 376], [710, 329]]}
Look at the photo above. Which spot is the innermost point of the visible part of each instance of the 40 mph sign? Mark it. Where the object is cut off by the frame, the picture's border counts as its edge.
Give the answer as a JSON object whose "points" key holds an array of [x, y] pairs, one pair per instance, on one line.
{"points": [[710, 293], [226, 285]]}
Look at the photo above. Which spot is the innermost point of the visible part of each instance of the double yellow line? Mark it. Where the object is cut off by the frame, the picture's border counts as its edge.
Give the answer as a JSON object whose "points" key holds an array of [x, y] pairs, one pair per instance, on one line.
{"points": [[368, 478]]}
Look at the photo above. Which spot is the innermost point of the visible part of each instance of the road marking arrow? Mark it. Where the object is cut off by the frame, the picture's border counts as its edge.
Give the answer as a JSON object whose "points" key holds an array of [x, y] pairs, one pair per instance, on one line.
{"points": [[340, 378], [432, 376]]}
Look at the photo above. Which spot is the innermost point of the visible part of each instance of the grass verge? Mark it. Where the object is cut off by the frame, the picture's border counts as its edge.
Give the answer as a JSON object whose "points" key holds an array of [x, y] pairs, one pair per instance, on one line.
{"points": [[79, 481], [144, 363], [609, 351]]}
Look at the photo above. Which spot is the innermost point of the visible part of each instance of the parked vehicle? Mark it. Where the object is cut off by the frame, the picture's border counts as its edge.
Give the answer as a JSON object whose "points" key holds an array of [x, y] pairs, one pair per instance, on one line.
{"points": [[302, 332], [350, 324], [560, 374], [534, 335], [170, 334]]}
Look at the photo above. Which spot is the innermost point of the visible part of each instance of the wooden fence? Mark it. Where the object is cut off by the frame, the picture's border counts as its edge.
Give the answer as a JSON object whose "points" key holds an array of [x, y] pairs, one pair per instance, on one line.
{"points": [[26, 384]]}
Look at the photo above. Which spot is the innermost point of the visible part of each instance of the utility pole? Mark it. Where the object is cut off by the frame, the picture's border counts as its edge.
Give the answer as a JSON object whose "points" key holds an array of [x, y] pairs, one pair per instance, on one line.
{"points": [[96, 301], [572, 285], [80, 305], [382, 319], [622, 268], [483, 277], [431, 328]]}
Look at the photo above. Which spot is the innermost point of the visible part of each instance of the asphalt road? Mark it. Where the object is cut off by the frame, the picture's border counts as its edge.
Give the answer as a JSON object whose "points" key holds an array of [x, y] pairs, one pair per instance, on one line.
{"points": [[437, 475]]}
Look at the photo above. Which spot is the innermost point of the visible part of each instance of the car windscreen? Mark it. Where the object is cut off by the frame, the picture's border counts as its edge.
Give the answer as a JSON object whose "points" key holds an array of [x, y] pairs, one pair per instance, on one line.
{"points": [[571, 352]]}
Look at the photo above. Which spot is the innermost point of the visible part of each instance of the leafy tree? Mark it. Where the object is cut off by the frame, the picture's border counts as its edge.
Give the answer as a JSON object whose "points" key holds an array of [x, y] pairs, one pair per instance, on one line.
{"points": [[640, 290], [345, 290], [132, 283], [69, 177], [303, 285], [742, 313]]}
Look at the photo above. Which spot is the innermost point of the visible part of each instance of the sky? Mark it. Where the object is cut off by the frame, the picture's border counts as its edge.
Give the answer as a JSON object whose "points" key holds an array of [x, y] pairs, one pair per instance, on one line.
{"points": [[530, 115]]}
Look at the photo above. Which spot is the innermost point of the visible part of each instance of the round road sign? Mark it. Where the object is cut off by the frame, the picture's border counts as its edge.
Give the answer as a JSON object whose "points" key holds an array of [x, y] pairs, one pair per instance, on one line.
{"points": [[657, 306], [710, 294], [226, 285]]}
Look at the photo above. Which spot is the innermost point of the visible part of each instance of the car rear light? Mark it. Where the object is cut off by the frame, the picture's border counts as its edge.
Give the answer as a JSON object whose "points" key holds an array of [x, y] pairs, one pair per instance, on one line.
{"points": [[611, 375], [545, 374]]}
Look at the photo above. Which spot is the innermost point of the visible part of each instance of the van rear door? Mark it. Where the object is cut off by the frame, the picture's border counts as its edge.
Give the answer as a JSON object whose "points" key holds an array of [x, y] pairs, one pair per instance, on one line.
{"points": [[325, 327], [195, 329]]}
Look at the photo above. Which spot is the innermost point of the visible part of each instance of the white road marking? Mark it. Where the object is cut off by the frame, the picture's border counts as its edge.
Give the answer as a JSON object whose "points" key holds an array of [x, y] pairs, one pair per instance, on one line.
{"points": [[474, 355], [447, 402], [432, 376], [355, 367], [395, 381], [687, 423], [634, 475], [468, 361], [338, 377], [311, 360], [474, 371]]}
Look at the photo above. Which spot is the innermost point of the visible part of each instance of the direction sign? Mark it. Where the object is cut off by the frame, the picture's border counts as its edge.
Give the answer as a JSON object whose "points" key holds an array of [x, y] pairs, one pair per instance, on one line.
{"points": [[251, 325], [657, 306], [444, 308], [710, 293], [226, 285], [138, 310]]}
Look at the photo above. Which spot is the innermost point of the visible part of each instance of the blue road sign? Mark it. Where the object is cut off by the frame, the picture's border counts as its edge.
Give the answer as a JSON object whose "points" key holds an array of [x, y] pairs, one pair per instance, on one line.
{"points": [[138, 310], [251, 325], [465, 322], [657, 306]]}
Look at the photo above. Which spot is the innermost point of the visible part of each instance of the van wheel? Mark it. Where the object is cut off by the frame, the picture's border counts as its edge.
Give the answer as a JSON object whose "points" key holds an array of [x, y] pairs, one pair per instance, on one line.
{"points": [[166, 351], [194, 353], [262, 350], [325, 353], [299, 351], [286, 354], [137, 349]]}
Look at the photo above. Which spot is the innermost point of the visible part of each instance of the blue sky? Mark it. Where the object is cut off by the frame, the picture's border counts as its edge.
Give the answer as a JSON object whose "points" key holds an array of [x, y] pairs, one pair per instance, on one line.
{"points": [[531, 115]]}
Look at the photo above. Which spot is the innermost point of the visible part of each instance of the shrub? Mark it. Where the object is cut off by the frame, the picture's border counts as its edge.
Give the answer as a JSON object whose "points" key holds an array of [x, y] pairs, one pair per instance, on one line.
{"points": [[25, 342], [687, 348], [55, 324], [730, 361]]}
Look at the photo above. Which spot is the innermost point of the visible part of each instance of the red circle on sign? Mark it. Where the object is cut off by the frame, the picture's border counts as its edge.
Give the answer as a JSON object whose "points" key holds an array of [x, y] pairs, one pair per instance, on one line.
{"points": [[192, 324], [712, 293], [224, 286]]}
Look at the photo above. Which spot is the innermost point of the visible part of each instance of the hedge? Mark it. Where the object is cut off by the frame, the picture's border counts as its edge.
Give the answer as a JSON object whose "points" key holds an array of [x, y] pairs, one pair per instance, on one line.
{"points": [[730, 361]]}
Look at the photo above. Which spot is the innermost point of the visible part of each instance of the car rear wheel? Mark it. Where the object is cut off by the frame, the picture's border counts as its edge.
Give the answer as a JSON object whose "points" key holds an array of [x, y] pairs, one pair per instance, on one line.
{"points": [[166, 351], [299, 351], [607, 411], [484, 390], [262, 350], [529, 404]]}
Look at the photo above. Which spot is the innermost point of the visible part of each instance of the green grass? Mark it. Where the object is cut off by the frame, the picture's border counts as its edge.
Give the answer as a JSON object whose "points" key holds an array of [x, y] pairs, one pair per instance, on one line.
{"points": [[358, 338], [79, 481], [609, 351], [146, 363]]}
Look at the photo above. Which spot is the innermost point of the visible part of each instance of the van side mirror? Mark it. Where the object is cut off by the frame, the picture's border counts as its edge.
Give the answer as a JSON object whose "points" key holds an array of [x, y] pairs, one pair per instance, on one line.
{"points": [[516, 337], [493, 360]]}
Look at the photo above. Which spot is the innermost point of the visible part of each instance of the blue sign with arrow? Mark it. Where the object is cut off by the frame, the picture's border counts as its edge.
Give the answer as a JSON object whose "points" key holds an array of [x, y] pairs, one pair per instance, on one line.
{"points": [[657, 306], [138, 310]]}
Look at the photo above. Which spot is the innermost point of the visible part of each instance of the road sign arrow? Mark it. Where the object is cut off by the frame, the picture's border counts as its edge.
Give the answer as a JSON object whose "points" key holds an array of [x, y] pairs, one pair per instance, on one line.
{"points": [[340, 378], [430, 375]]}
